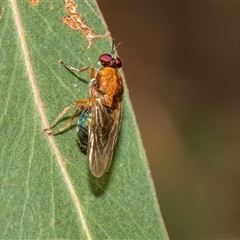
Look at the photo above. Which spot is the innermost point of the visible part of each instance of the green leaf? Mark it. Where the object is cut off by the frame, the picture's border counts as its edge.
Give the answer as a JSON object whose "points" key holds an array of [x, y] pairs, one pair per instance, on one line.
{"points": [[47, 190]]}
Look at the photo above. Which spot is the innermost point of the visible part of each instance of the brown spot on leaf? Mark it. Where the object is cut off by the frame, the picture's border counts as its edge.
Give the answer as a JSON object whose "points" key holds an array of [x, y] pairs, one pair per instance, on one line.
{"points": [[34, 2], [74, 21]]}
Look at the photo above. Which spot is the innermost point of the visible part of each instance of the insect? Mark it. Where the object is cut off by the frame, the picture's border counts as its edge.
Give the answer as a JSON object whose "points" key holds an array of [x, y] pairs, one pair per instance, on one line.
{"points": [[100, 115]]}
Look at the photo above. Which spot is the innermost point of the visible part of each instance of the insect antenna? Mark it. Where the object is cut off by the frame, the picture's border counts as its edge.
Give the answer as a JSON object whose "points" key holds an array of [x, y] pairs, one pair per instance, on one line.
{"points": [[114, 48]]}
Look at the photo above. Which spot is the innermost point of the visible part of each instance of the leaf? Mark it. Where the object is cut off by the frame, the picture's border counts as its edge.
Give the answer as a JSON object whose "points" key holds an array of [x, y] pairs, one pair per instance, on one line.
{"points": [[47, 190]]}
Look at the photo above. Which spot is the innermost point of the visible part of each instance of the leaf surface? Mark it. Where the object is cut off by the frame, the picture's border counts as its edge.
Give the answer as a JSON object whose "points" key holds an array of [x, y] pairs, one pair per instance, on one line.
{"points": [[47, 190]]}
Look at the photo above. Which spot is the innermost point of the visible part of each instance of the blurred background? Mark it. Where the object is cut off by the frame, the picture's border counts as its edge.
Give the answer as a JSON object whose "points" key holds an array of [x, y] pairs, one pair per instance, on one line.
{"points": [[182, 64]]}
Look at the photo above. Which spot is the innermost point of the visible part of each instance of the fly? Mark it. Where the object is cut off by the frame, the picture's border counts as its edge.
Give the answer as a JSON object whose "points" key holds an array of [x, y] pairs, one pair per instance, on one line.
{"points": [[100, 116]]}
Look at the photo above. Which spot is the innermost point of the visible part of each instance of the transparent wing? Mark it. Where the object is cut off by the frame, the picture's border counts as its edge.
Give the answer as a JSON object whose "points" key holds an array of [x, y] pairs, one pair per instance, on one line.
{"points": [[103, 131]]}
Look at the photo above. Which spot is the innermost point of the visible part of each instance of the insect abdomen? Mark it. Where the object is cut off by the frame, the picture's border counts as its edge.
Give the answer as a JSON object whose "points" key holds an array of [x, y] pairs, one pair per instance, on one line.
{"points": [[82, 130]]}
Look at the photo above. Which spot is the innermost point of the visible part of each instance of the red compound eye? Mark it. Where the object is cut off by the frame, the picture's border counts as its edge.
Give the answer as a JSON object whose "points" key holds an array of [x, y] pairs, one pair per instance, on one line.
{"points": [[107, 60], [118, 62]]}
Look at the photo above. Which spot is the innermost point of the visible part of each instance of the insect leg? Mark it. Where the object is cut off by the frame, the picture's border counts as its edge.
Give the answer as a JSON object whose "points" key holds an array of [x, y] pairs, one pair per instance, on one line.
{"points": [[78, 103], [72, 68], [92, 72]]}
